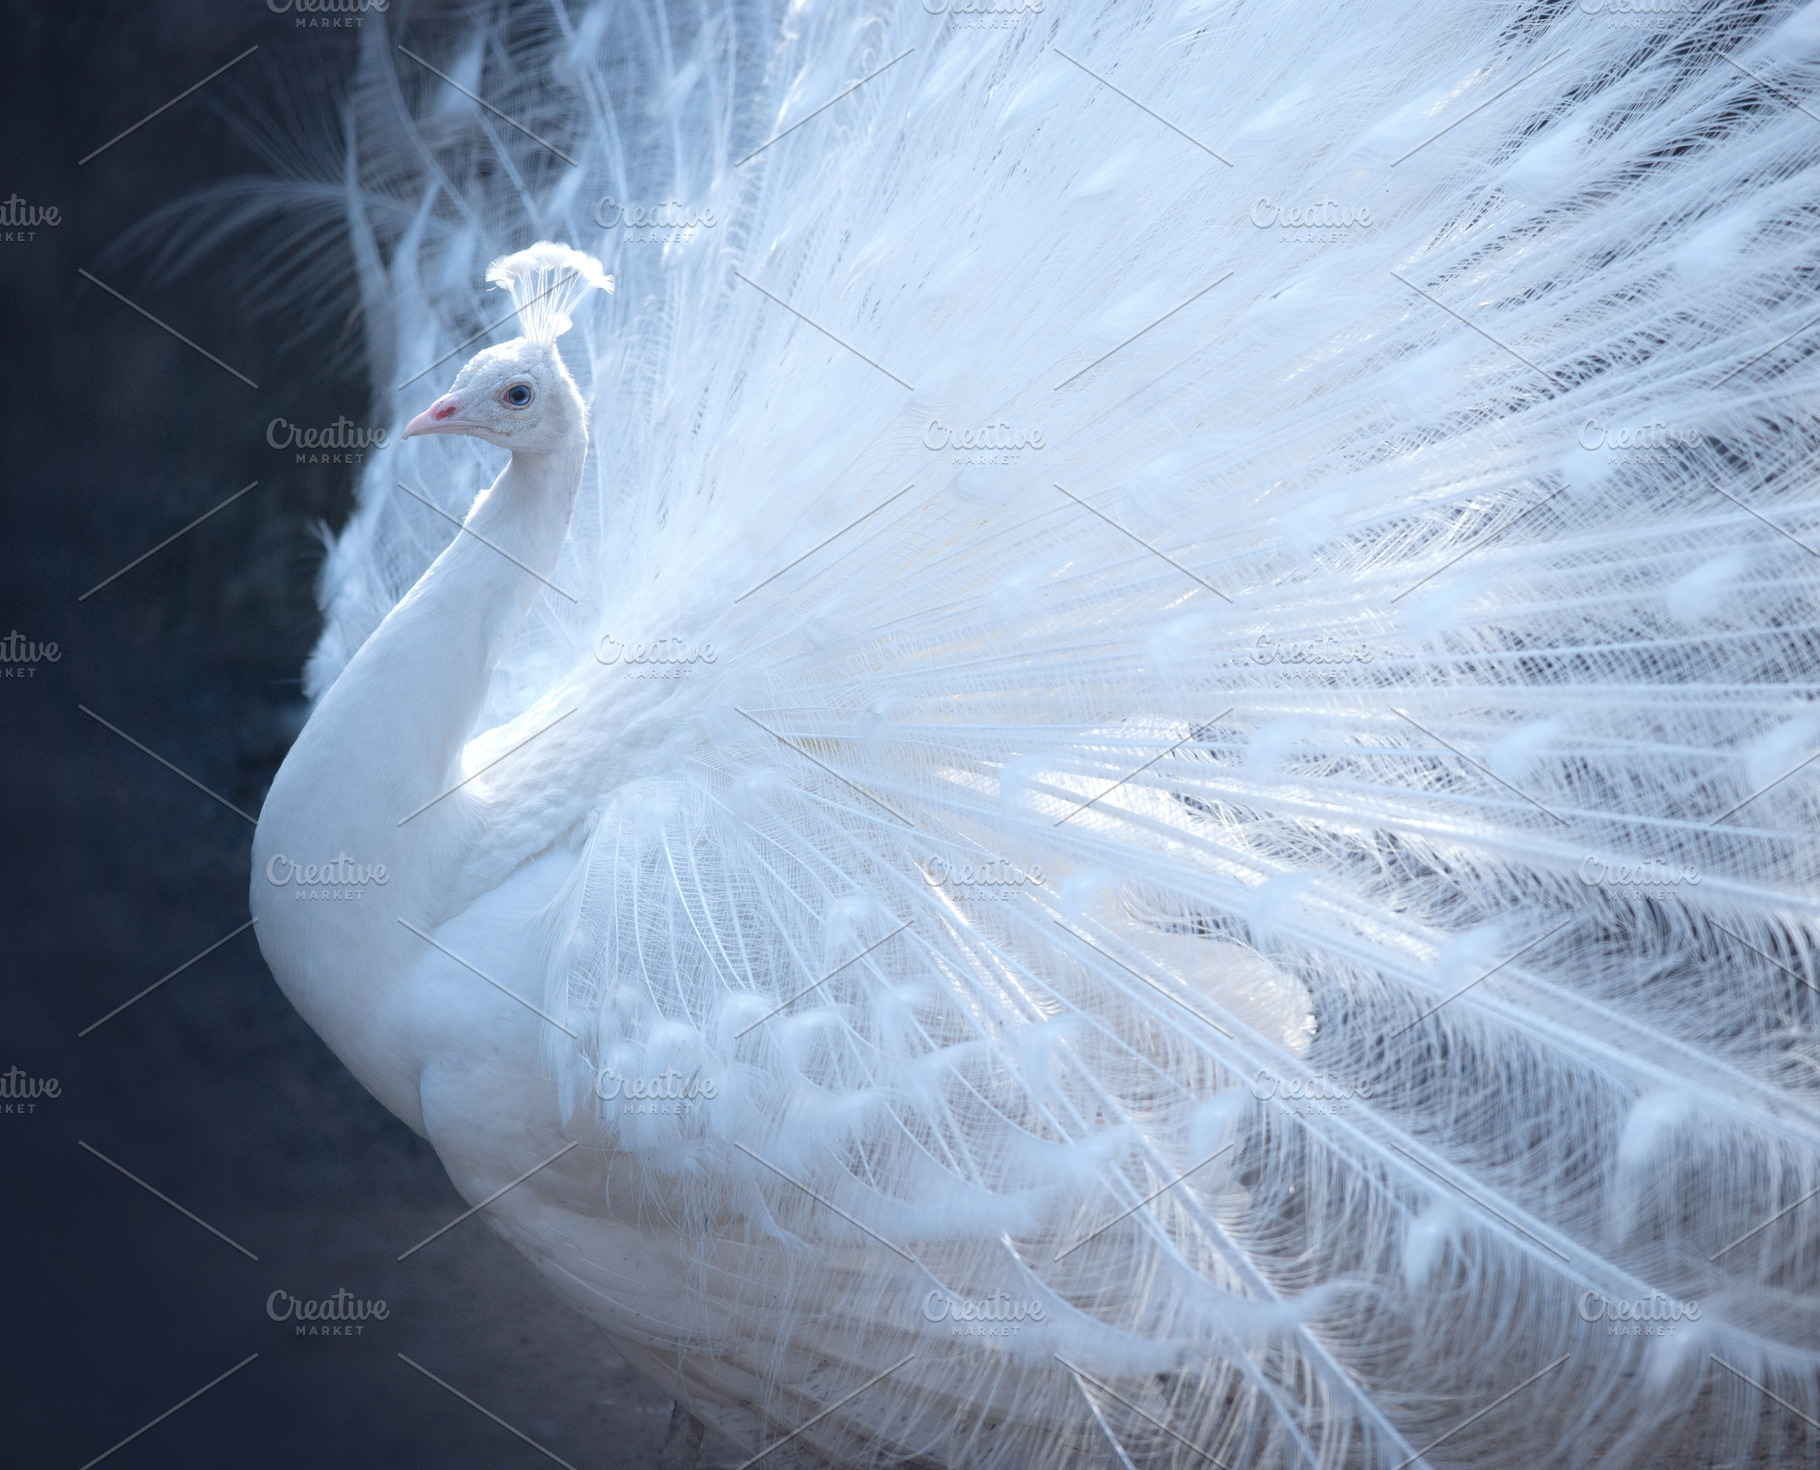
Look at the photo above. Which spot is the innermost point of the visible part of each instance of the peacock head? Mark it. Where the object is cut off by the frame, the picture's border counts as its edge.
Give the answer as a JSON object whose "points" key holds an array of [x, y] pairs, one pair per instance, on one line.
{"points": [[519, 395]]}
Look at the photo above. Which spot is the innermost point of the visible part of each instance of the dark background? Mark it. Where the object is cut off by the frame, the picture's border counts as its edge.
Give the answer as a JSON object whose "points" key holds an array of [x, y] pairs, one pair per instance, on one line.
{"points": [[113, 1306]]}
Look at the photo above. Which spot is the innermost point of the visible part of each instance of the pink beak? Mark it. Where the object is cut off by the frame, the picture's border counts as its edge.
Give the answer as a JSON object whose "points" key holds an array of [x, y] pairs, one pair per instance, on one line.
{"points": [[441, 417]]}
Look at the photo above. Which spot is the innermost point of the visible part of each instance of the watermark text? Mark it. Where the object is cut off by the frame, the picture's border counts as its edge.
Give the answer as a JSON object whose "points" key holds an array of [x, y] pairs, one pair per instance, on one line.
{"points": [[669, 1092], [340, 1315], [340, 881], [662, 658], [20, 657], [19, 1093]]}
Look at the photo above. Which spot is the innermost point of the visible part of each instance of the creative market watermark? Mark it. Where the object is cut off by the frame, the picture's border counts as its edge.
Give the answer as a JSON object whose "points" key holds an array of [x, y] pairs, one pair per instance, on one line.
{"points": [[1646, 444], [1321, 1094], [984, 14], [1636, 14], [1655, 1315], [20, 656], [341, 881], [991, 444], [668, 1093], [662, 658], [1322, 650], [995, 878], [20, 222], [1652, 877], [327, 15], [342, 442], [340, 1315], [670, 223], [1323, 222], [20, 1092], [997, 1315]]}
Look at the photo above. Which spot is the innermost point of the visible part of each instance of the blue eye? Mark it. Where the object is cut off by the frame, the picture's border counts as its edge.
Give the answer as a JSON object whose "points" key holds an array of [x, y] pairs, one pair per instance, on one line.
{"points": [[519, 394]]}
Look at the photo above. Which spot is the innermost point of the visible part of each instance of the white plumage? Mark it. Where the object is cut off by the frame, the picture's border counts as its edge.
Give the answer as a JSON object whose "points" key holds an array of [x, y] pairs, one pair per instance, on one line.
{"points": [[1390, 645]]}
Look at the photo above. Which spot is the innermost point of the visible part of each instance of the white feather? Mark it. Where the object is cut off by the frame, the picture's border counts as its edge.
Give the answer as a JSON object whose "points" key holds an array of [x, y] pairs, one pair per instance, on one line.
{"points": [[1367, 869]]}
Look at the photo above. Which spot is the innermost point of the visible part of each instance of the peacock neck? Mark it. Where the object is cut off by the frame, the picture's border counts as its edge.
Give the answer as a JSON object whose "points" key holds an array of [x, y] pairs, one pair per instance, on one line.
{"points": [[429, 665], [383, 743]]}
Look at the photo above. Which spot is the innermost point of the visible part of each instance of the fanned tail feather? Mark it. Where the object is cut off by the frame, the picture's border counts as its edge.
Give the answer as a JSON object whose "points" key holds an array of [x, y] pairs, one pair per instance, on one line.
{"points": [[1332, 713]]}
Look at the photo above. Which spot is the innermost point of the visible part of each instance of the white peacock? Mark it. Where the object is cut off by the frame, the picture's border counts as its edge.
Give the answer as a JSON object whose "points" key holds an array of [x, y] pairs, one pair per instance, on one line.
{"points": [[1299, 1110]]}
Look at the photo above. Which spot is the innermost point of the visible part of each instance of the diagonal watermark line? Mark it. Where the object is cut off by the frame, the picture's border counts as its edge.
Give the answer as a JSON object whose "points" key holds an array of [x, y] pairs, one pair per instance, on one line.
{"points": [[1483, 541], [503, 990], [1403, 1465], [489, 765], [173, 1409], [1483, 1206], [174, 1205], [823, 330], [826, 767], [464, 526], [1480, 330], [1153, 984], [1766, 351], [1486, 976], [867, 1229], [1764, 1226], [1145, 544], [1768, 956], [1486, 103], [173, 975], [488, 1412], [1477, 767], [491, 326], [824, 979], [167, 327], [1138, 333], [1099, 1418], [503, 117], [823, 108], [166, 542], [1135, 103], [1763, 790], [490, 1198], [810, 1423], [166, 764], [1762, 1390], [1114, 1394], [1102, 1229], [824, 541], [1765, 519], [1200, 729], [1782, 92], [150, 115]]}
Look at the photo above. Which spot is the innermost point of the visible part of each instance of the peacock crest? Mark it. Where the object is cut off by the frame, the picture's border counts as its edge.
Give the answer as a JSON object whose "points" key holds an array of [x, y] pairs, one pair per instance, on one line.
{"points": [[547, 282]]}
